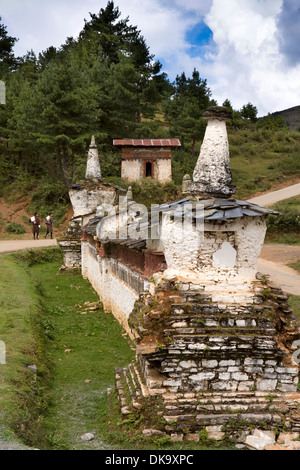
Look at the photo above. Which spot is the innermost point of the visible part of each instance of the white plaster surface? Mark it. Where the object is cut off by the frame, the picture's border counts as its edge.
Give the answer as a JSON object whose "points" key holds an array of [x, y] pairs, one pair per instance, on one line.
{"points": [[85, 201], [212, 170], [164, 170], [131, 170], [93, 166], [190, 254], [116, 295], [225, 257]]}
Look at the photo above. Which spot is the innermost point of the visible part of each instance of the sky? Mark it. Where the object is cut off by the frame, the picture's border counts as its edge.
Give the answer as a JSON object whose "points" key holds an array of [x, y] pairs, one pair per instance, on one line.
{"points": [[247, 50]]}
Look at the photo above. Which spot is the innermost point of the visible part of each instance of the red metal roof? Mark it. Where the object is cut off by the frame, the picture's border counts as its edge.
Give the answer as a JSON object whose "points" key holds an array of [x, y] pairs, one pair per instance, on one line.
{"points": [[147, 143]]}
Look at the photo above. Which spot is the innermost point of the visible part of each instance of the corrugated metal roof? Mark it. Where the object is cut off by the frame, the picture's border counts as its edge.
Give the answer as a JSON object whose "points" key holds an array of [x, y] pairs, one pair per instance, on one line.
{"points": [[147, 142]]}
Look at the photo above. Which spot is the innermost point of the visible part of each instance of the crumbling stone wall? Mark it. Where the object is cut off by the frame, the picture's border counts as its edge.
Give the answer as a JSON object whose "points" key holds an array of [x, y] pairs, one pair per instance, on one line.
{"points": [[209, 346], [190, 251], [222, 367]]}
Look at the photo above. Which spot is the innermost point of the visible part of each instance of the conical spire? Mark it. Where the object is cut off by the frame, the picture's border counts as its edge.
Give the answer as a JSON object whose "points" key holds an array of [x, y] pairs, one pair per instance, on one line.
{"points": [[212, 174], [93, 169]]}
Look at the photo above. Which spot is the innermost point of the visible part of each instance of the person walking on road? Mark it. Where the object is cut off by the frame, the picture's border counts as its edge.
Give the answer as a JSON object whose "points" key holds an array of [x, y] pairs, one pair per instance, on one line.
{"points": [[49, 224], [36, 225]]}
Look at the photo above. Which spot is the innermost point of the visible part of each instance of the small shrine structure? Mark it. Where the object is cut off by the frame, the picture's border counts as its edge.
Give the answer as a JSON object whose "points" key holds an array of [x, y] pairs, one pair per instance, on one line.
{"points": [[143, 158]]}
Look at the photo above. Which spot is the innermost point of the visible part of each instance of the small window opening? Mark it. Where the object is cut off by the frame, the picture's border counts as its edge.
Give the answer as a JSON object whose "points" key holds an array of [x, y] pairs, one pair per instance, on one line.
{"points": [[148, 169]]}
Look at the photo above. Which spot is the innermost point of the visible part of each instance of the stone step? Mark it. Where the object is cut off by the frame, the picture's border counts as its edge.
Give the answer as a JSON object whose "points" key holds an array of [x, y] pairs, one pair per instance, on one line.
{"points": [[129, 388], [134, 380], [196, 422], [227, 332], [219, 405], [235, 301], [209, 308], [226, 345], [242, 320], [143, 390], [123, 392]]}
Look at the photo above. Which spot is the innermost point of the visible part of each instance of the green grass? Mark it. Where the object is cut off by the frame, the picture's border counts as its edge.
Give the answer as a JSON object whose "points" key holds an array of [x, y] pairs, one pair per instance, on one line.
{"points": [[261, 158], [295, 266], [40, 318], [294, 301], [18, 300], [45, 320], [285, 228], [95, 346]]}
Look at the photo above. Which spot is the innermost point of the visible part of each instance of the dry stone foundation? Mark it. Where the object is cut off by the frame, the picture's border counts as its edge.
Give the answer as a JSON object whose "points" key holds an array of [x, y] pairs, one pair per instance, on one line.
{"points": [[221, 367]]}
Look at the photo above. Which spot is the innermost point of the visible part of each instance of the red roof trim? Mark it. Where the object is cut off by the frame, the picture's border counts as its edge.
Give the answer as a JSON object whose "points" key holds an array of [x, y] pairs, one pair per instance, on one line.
{"points": [[147, 142]]}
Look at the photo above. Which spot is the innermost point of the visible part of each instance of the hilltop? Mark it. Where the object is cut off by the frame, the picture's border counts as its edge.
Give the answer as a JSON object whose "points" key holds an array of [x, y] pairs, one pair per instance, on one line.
{"points": [[291, 116]]}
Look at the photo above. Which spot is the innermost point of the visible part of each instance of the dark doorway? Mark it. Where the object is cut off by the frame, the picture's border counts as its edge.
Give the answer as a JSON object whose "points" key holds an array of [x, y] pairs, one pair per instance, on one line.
{"points": [[148, 171]]}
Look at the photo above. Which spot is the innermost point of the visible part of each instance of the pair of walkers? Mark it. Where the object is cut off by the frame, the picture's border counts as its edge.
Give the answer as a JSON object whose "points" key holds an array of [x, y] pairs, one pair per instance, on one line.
{"points": [[36, 225]]}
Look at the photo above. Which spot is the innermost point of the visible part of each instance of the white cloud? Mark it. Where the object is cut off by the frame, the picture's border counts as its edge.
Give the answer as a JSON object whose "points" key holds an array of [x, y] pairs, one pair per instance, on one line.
{"points": [[248, 63], [245, 63]]}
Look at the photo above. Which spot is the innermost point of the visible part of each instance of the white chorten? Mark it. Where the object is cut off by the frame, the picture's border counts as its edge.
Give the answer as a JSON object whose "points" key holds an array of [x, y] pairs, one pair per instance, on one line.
{"points": [[212, 174], [93, 166]]}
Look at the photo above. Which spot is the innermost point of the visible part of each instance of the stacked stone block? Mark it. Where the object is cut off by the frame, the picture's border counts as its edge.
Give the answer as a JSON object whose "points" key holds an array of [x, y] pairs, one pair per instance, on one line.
{"points": [[214, 364]]}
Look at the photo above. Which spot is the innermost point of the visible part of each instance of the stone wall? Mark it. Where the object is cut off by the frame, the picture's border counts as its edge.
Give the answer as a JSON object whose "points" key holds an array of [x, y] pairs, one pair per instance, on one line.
{"points": [[193, 250], [117, 285], [71, 245], [223, 367], [215, 346], [86, 197]]}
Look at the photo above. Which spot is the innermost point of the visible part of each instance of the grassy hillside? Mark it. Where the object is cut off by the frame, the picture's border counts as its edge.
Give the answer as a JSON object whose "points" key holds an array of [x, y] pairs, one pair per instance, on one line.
{"points": [[291, 116], [261, 159]]}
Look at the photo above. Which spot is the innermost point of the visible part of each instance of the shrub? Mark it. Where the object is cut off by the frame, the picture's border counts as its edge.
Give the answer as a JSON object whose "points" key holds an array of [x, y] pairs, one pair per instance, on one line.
{"points": [[50, 196], [289, 221], [14, 227], [290, 165]]}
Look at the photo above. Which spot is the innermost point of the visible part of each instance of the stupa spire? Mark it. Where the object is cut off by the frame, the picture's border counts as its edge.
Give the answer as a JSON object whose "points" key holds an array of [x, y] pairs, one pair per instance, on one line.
{"points": [[93, 169], [212, 174]]}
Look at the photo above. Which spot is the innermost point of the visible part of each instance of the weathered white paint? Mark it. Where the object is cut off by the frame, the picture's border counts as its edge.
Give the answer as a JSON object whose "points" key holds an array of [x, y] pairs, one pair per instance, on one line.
{"points": [[123, 222], [71, 252], [164, 170], [117, 296], [2, 353], [225, 257], [134, 169], [181, 244], [85, 201], [196, 255], [212, 174], [131, 170], [93, 165]]}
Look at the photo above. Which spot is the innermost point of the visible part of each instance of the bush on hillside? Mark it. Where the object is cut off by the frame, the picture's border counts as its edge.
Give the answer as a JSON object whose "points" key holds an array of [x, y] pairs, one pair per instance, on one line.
{"points": [[14, 227]]}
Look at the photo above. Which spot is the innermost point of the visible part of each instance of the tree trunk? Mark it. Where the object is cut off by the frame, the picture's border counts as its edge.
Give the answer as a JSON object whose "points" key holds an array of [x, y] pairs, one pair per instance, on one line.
{"points": [[193, 147]]}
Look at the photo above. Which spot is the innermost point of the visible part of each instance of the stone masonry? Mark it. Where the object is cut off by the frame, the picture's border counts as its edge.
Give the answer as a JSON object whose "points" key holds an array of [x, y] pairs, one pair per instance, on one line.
{"points": [[223, 367], [214, 338]]}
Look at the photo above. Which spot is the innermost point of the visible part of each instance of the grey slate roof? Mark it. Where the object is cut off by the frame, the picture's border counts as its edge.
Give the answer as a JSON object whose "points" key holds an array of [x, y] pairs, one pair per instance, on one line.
{"points": [[213, 210], [218, 209]]}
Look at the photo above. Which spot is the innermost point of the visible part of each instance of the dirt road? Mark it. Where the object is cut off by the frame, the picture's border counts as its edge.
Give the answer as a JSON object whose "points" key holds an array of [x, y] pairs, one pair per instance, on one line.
{"points": [[273, 260], [275, 196], [9, 246]]}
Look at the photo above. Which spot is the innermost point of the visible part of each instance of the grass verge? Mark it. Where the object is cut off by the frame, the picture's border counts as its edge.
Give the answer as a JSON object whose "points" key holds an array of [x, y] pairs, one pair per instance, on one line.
{"points": [[294, 301], [22, 397], [54, 324]]}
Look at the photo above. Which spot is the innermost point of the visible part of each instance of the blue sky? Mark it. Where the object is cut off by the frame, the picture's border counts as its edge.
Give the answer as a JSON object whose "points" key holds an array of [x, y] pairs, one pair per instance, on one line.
{"points": [[248, 50]]}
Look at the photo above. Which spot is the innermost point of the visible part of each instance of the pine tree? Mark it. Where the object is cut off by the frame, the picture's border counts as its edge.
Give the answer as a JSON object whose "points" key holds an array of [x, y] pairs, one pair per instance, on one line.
{"points": [[7, 58], [184, 110]]}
